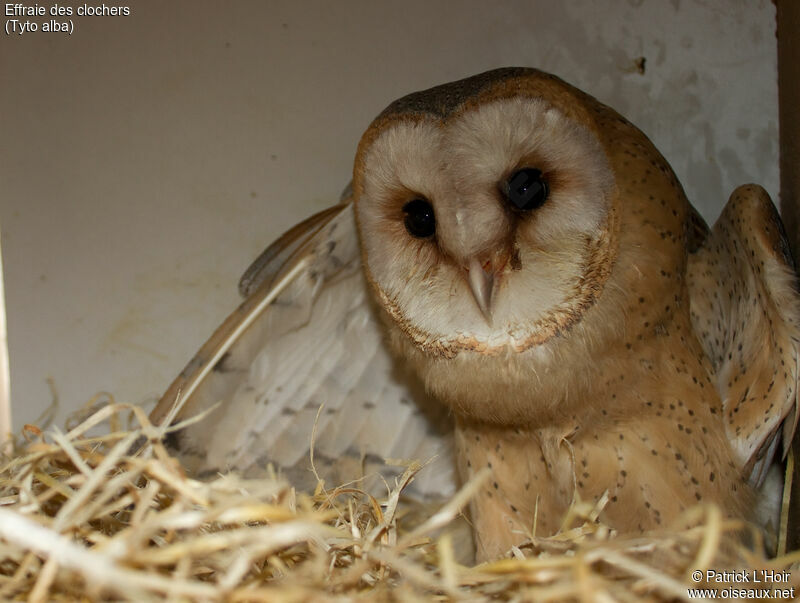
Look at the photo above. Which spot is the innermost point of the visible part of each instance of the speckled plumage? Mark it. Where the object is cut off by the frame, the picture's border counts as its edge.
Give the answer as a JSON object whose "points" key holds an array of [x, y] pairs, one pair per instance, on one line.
{"points": [[622, 348]]}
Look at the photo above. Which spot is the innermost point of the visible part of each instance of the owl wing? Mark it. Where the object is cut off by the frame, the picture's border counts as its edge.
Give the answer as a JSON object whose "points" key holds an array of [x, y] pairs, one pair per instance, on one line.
{"points": [[745, 310], [307, 336]]}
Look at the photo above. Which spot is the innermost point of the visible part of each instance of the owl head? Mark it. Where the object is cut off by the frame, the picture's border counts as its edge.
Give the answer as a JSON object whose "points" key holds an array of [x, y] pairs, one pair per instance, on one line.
{"points": [[500, 220]]}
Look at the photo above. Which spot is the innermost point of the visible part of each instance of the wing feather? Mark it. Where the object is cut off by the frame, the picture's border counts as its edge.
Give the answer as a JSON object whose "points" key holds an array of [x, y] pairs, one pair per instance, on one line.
{"points": [[306, 336], [745, 310]]}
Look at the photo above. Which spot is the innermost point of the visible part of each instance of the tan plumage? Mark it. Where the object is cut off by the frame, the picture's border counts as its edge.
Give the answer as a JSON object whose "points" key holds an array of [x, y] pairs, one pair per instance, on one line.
{"points": [[602, 340]]}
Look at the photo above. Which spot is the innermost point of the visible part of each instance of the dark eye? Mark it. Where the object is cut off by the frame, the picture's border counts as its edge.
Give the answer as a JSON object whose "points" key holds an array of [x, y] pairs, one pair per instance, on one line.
{"points": [[525, 189], [420, 221]]}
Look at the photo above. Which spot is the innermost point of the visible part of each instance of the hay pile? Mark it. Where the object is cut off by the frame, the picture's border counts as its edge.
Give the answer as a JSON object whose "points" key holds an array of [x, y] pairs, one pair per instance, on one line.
{"points": [[113, 516]]}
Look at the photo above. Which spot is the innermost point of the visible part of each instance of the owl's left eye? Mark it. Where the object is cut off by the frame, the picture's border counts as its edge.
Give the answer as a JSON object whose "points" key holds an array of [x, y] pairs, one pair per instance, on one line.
{"points": [[420, 221], [525, 189]]}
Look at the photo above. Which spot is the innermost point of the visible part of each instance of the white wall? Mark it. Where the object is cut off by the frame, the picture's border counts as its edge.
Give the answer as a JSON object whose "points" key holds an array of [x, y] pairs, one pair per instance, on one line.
{"points": [[147, 159]]}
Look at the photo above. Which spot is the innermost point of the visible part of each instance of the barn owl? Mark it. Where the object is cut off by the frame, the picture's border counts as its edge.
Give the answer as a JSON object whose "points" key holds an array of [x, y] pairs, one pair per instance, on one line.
{"points": [[517, 282]]}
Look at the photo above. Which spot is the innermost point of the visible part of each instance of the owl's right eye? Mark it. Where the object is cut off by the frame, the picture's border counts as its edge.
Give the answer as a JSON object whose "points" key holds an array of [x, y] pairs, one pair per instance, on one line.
{"points": [[420, 221]]}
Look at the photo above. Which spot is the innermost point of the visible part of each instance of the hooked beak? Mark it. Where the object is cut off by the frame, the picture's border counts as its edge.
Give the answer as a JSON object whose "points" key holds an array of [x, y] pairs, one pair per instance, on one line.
{"points": [[481, 282]]}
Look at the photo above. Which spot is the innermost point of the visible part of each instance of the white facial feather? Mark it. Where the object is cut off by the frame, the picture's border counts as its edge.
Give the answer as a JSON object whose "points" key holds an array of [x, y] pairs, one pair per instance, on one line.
{"points": [[499, 137], [458, 166]]}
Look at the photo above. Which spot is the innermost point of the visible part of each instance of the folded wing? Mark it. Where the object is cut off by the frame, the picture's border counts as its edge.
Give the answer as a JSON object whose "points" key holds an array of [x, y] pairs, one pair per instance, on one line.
{"points": [[745, 310]]}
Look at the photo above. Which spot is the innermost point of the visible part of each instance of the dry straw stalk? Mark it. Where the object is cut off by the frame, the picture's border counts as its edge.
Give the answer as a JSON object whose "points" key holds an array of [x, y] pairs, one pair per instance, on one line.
{"points": [[114, 517]]}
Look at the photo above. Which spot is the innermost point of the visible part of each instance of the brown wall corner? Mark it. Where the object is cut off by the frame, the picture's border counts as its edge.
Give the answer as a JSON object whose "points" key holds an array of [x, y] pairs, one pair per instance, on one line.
{"points": [[788, 33]]}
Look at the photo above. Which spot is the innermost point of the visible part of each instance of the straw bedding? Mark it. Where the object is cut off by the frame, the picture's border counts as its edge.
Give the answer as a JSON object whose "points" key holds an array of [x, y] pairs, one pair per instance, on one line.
{"points": [[114, 517]]}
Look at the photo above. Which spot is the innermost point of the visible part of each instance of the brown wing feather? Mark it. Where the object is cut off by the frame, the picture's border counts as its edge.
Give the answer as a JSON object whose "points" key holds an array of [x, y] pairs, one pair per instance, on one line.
{"points": [[745, 310], [273, 259]]}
